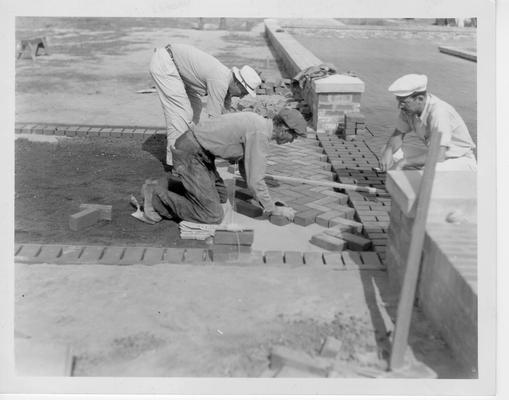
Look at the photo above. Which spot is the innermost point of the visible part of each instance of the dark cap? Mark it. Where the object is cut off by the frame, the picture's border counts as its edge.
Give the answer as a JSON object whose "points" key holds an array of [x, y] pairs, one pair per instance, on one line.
{"points": [[294, 120]]}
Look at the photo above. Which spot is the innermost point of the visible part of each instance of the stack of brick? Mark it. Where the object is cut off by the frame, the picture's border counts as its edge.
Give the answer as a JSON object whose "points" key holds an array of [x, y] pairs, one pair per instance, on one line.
{"points": [[331, 98], [231, 245], [280, 88], [353, 124]]}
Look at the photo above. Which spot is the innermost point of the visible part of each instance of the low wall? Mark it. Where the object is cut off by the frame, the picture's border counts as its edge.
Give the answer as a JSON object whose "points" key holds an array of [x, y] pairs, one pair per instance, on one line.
{"points": [[329, 98], [447, 288]]}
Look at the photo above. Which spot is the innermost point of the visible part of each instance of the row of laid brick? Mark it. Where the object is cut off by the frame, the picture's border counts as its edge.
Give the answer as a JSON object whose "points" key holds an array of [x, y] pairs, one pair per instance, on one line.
{"points": [[118, 255], [88, 130]]}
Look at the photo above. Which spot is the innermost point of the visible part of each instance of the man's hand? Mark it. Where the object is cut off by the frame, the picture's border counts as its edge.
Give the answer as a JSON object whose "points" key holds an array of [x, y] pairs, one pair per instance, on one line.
{"points": [[387, 159], [287, 212]]}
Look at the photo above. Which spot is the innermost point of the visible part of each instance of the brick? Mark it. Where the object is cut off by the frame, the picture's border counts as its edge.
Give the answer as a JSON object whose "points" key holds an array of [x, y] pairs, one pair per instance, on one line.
{"points": [[90, 255], [356, 242], [132, 255], [28, 251], [49, 253], [248, 209], [243, 238], [291, 372], [293, 258], [273, 257], [84, 219], [345, 225], [194, 256], [153, 255], [281, 356], [313, 258], [173, 255], [331, 347], [323, 219], [112, 255], [328, 242], [305, 218], [279, 220], [105, 210], [71, 254], [225, 253], [333, 260], [351, 259]]}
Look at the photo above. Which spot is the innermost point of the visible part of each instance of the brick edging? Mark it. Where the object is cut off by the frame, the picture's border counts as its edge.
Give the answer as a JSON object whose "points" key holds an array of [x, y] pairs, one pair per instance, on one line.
{"points": [[72, 130], [124, 255]]}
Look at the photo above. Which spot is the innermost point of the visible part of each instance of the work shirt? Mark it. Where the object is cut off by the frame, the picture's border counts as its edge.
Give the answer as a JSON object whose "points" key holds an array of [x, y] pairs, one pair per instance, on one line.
{"points": [[438, 116], [203, 75], [237, 136]]}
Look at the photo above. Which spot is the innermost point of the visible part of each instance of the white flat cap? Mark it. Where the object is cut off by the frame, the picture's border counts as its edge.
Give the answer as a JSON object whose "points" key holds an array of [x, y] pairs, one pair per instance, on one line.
{"points": [[408, 84]]}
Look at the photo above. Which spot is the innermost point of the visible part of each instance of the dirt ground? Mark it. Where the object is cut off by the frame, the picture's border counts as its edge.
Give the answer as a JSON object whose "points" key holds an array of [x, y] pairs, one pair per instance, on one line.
{"points": [[120, 322], [133, 321]]}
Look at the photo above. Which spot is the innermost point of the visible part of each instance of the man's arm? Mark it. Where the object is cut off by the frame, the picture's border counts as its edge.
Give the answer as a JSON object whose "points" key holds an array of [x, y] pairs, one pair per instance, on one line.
{"points": [[393, 144], [254, 166], [216, 95], [420, 160]]}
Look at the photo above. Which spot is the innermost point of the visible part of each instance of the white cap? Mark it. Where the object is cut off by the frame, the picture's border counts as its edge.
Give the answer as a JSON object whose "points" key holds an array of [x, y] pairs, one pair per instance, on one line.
{"points": [[248, 77], [408, 84]]}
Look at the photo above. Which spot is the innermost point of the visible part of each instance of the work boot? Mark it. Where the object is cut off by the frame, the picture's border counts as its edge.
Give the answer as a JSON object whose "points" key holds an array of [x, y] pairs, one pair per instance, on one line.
{"points": [[147, 191]]}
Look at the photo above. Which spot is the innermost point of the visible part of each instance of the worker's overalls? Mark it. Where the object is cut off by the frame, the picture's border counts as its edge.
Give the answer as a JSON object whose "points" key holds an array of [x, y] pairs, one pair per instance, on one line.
{"points": [[204, 188]]}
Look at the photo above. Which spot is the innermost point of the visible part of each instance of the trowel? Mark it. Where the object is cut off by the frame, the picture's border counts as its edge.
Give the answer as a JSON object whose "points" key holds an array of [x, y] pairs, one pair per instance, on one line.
{"points": [[138, 214]]}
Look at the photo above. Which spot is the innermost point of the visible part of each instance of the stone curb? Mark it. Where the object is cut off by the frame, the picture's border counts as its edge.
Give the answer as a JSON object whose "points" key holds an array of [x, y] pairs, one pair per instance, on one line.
{"points": [[31, 253]]}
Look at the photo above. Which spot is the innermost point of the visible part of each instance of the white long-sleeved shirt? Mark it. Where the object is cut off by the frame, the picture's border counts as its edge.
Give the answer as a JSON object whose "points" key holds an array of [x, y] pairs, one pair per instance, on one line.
{"points": [[203, 75], [241, 136], [439, 116]]}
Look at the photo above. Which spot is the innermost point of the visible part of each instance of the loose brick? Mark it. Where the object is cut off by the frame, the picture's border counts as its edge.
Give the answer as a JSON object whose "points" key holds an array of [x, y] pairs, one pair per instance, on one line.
{"points": [[242, 238], [345, 225], [281, 356], [328, 242], [313, 258], [84, 219], [323, 219], [294, 258], [105, 210], [356, 242], [305, 218], [331, 347], [273, 257], [291, 372], [248, 209], [279, 220]]}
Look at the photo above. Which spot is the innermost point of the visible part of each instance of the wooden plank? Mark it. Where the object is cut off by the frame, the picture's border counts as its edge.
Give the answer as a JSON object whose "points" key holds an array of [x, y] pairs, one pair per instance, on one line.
{"points": [[407, 296], [344, 186]]}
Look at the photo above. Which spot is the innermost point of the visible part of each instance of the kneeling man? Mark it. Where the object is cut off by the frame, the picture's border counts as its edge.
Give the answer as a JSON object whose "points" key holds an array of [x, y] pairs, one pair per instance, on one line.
{"points": [[242, 137]]}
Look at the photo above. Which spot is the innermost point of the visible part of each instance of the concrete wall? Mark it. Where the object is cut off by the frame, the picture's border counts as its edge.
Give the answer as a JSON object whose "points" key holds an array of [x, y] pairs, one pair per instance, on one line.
{"points": [[447, 288], [329, 98]]}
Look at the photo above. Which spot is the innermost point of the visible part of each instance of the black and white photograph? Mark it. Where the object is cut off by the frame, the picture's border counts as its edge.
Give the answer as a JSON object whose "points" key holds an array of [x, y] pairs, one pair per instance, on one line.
{"points": [[283, 198]]}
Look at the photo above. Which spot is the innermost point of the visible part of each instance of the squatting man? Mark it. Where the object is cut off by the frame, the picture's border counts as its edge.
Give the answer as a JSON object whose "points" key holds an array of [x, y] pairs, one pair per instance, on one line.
{"points": [[183, 74], [424, 114], [242, 137]]}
